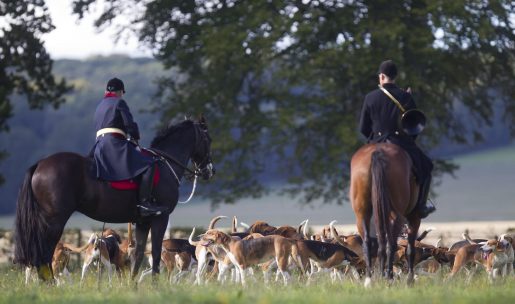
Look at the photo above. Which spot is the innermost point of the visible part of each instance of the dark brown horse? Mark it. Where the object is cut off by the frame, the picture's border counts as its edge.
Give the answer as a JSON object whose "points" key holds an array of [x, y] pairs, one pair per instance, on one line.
{"points": [[383, 186], [63, 183]]}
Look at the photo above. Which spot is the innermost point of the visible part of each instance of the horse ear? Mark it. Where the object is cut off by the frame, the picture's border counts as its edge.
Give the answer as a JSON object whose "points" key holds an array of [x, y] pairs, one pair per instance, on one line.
{"points": [[202, 121]]}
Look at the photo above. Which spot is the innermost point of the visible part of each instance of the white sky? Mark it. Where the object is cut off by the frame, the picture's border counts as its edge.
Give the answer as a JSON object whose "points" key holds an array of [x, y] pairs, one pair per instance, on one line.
{"points": [[79, 40]]}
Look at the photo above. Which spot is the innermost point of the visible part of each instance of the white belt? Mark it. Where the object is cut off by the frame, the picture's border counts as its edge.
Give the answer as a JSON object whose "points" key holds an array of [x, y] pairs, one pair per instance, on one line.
{"points": [[104, 131]]}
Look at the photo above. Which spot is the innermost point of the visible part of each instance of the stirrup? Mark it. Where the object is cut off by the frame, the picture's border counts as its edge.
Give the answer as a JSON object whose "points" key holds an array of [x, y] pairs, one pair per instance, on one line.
{"points": [[426, 210], [145, 211]]}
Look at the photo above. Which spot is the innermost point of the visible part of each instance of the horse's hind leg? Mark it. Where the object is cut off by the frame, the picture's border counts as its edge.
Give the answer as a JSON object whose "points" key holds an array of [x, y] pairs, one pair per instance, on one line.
{"points": [[158, 230], [391, 247], [141, 241], [414, 224], [363, 225], [382, 248]]}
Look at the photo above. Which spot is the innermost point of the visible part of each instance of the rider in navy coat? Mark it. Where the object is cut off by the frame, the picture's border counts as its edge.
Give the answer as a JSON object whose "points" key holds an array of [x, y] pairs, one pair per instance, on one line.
{"points": [[379, 122], [116, 153]]}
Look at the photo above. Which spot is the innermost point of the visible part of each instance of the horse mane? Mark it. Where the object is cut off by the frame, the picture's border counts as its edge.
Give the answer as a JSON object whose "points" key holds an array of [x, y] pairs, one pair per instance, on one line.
{"points": [[171, 128]]}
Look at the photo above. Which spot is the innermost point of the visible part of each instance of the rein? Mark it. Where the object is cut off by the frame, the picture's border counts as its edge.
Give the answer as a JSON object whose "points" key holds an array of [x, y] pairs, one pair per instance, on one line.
{"points": [[163, 154], [165, 157]]}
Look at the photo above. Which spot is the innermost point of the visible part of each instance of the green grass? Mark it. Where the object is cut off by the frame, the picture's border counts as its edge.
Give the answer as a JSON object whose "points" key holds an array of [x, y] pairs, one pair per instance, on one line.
{"points": [[426, 290]]}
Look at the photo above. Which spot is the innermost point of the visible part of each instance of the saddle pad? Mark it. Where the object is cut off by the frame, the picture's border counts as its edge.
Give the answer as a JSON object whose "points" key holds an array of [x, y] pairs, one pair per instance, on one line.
{"points": [[130, 184]]}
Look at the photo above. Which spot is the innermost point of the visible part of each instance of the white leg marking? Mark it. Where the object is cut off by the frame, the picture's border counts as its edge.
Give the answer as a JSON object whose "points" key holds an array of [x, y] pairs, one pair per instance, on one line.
{"points": [[368, 282]]}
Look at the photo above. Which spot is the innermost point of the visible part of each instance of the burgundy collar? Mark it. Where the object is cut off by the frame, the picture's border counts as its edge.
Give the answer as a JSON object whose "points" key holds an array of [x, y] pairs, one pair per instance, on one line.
{"points": [[110, 94]]}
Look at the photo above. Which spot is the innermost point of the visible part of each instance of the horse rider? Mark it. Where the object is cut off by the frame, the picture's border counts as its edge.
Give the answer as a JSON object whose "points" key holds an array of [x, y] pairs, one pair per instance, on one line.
{"points": [[116, 151], [379, 122]]}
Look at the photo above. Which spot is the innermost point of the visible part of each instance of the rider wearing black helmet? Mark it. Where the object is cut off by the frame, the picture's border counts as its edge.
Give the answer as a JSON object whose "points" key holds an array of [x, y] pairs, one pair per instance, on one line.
{"points": [[116, 152], [379, 122]]}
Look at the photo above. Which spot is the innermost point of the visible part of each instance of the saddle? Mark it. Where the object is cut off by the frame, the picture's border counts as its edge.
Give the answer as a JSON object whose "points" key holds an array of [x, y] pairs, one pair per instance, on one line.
{"points": [[132, 184], [128, 184]]}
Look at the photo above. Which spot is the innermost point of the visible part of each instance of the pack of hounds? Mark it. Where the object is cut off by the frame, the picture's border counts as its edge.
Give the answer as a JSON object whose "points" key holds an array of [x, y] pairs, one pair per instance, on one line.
{"points": [[236, 256]]}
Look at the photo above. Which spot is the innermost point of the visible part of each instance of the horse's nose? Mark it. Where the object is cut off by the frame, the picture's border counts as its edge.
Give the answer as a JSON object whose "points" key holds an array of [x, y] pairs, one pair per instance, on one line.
{"points": [[208, 172]]}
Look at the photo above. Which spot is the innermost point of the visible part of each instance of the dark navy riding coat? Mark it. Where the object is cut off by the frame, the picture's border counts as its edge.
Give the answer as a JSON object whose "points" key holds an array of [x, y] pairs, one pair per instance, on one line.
{"points": [[379, 122], [115, 157]]}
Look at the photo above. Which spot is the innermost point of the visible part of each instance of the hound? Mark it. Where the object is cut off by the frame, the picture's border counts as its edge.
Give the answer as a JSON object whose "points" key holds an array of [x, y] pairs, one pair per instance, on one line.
{"points": [[175, 253], [507, 241], [261, 227], [60, 260], [107, 249], [203, 252], [499, 257], [245, 253], [471, 254]]}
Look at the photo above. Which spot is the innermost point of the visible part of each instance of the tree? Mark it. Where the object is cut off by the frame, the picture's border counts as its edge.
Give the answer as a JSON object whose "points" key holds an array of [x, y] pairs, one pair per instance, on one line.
{"points": [[25, 66], [282, 82]]}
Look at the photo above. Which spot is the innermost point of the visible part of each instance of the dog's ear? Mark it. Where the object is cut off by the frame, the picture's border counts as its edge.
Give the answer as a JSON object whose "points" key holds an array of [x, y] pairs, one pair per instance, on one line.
{"points": [[118, 238], [224, 238]]}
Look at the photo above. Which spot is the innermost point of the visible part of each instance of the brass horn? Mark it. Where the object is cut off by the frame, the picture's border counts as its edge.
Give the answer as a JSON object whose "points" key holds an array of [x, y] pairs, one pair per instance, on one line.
{"points": [[412, 121]]}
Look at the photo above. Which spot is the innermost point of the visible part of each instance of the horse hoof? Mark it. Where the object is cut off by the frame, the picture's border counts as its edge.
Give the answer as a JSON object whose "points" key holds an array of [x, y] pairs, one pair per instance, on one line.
{"points": [[368, 282]]}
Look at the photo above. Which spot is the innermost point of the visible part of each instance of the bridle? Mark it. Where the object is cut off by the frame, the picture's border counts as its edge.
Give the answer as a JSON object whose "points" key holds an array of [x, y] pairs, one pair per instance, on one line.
{"points": [[200, 168], [202, 140]]}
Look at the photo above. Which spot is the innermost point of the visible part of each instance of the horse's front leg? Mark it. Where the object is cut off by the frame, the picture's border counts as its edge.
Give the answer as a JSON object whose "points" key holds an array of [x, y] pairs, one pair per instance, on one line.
{"points": [[141, 241], [414, 224], [158, 230]]}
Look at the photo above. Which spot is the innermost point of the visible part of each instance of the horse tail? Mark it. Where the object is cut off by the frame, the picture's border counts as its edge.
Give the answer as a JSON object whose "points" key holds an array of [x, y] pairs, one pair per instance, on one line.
{"points": [[31, 248], [380, 194]]}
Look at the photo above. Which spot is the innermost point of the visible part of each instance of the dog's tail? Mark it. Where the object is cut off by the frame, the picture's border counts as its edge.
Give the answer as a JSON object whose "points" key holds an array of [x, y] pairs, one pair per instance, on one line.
{"points": [[214, 220], [334, 234], [234, 224], [72, 248], [466, 236], [424, 234], [301, 225], [129, 235], [305, 229], [190, 239]]}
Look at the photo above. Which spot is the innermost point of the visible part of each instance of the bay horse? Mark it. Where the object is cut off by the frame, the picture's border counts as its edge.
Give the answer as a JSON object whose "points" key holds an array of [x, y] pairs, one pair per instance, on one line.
{"points": [[383, 186], [63, 183]]}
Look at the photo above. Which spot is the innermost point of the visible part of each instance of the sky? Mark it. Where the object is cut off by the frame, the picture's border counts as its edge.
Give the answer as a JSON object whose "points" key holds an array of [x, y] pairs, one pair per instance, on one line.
{"points": [[74, 39]]}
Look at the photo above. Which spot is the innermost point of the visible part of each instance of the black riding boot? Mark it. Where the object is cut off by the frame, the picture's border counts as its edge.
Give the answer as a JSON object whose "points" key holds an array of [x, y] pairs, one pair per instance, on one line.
{"points": [[146, 206], [423, 208]]}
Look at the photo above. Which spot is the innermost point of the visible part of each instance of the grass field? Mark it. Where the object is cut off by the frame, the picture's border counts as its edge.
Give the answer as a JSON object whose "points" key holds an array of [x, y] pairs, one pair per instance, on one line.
{"points": [[426, 290]]}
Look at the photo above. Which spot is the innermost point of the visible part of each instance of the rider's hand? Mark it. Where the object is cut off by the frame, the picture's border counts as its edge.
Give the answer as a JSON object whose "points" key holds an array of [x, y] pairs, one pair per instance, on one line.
{"points": [[133, 141]]}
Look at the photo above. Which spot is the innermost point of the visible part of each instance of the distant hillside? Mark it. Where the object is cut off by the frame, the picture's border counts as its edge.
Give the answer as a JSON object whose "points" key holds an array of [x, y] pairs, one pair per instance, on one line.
{"points": [[36, 134]]}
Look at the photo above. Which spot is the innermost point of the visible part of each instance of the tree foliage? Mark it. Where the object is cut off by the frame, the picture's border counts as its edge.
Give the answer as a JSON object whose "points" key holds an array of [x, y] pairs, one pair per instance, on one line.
{"points": [[25, 66], [286, 79]]}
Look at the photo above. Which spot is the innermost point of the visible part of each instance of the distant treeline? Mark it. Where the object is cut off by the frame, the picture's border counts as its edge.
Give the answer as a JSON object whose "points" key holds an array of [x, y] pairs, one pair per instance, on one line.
{"points": [[36, 134]]}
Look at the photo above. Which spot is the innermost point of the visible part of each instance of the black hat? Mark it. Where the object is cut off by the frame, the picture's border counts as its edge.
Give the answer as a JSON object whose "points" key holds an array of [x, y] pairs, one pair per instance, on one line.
{"points": [[114, 85], [388, 68]]}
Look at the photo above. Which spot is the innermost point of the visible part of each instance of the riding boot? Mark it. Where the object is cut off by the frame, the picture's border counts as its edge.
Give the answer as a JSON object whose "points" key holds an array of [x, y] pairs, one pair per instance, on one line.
{"points": [[146, 206], [423, 208]]}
